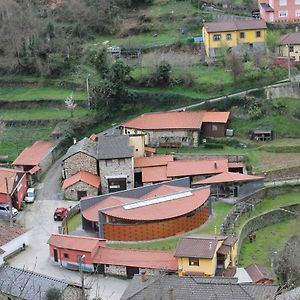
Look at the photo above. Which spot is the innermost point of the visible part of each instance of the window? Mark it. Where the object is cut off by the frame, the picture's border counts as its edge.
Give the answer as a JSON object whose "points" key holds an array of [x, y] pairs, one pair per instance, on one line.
{"points": [[217, 37], [66, 255], [242, 35], [297, 14], [108, 162], [214, 127], [291, 48], [283, 13], [258, 34], [228, 36], [282, 2], [193, 261]]}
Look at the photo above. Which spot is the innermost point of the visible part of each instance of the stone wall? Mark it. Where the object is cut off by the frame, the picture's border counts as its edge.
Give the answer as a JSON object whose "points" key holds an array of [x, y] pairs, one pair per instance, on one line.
{"points": [[283, 90], [183, 137], [116, 167], [195, 156], [115, 270], [267, 219], [282, 173], [80, 162], [71, 192]]}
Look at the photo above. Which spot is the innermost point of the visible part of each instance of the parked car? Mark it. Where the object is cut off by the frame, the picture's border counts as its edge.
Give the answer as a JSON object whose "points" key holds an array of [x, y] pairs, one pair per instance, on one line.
{"points": [[5, 212], [60, 213], [30, 195]]}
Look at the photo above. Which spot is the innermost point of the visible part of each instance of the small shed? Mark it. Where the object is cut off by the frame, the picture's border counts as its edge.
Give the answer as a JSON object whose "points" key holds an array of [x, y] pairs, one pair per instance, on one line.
{"points": [[262, 135]]}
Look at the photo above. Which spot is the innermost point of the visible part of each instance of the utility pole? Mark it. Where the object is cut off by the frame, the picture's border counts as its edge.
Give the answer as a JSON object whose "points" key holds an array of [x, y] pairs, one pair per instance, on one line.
{"points": [[9, 202], [81, 261]]}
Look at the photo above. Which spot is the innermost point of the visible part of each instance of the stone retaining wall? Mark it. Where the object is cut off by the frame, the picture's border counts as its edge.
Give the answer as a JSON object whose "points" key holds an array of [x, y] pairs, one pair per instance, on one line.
{"points": [[195, 156]]}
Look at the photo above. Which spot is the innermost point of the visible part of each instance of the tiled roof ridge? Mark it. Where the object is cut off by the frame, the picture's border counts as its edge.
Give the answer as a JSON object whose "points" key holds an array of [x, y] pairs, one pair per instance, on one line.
{"points": [[76, 236], [139, 250], [32, 273]]}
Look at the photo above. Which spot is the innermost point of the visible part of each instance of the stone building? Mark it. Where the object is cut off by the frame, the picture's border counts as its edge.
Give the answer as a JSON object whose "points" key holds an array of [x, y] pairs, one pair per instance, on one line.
{"points": [[177, 129]]}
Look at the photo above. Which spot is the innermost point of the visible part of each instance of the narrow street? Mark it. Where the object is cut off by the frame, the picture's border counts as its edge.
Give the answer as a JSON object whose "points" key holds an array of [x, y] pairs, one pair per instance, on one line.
{"points": [[38, 219]]}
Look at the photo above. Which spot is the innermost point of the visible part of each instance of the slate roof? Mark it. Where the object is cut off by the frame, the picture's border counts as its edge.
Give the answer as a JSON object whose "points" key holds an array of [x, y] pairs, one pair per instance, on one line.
{"points": [[85, 145], [195, 288], [8, 233], [198, 245], [114, 146], [27, 285], [235, 25]]}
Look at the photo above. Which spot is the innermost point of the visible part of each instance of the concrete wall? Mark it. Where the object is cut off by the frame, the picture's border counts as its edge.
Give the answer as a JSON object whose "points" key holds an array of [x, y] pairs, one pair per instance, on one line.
{"points": [[195, 156], [71, 192], [138, 142], [80, 162], [283, 90], [114, 168], [15, 245]]}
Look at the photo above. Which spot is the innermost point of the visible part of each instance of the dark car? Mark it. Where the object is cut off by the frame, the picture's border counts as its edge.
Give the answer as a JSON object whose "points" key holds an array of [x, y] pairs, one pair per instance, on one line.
{"points": [[60, 213]]}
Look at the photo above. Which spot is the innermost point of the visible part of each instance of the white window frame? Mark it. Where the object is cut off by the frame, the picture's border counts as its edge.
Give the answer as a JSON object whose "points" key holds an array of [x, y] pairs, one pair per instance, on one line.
{"points": [[280, 14], [215, 39], [282, 2]]}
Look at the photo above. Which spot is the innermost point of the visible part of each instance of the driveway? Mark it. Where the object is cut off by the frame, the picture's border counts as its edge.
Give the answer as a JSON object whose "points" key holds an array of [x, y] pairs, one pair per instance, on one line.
{"points": [[38, 219]]}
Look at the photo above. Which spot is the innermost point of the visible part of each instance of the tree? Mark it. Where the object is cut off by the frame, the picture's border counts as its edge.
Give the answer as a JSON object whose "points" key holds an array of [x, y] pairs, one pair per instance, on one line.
{"points": [[70, 104], [53, 294], [272, 39], [235, 64], [163, 74], [101, 63]]}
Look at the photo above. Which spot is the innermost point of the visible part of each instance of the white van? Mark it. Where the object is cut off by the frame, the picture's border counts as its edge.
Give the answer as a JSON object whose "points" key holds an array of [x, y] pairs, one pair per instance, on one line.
{"points": [[30, 195]]}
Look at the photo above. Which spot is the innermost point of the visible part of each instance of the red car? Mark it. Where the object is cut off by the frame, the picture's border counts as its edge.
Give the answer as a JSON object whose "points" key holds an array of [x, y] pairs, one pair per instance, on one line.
{"points": [[60, 213]]}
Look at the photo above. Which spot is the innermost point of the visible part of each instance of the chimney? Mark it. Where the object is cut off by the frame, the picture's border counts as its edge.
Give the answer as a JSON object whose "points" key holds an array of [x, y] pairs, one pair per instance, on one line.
{"points": [[171, 294], [143, 276], [215, 164]]}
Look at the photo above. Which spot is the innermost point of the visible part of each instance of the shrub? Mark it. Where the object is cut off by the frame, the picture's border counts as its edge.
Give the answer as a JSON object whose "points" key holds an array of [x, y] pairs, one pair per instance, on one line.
{"points": [[213, 146]]}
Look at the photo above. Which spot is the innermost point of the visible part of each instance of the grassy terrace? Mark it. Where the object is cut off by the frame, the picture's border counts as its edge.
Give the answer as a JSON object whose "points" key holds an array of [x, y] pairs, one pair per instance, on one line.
{"points": [[41, 114], [17, 93], [271, 238], [220, 210]]}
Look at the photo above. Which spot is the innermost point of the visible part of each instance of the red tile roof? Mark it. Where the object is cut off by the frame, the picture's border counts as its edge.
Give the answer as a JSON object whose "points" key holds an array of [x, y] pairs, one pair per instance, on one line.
{"points": [[159, 160], [173, 207], [236, 165], [215, 117], [93, 137], [196, 167], [228, 177], [258, 273], [32, 156], [10, 174], [136, 258], [150, 149], [8, 233], [80, 243], [163, 190], [34, 170], [82, 176], [167, 120], [154, 174]]}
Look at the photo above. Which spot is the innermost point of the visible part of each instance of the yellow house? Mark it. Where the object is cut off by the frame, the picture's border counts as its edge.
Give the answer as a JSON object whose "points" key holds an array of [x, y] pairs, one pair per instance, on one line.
{"points": [[138, 142], [243, 34], [205, 254], [289, 45]]}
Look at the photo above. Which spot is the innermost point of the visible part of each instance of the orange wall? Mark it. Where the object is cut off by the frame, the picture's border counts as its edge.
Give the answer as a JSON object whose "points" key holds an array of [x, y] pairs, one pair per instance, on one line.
{"points": [[156, 230]]}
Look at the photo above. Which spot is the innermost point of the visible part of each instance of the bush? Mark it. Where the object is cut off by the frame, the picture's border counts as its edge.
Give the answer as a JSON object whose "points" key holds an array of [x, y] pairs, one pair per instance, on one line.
{"points": [[225, 105]]}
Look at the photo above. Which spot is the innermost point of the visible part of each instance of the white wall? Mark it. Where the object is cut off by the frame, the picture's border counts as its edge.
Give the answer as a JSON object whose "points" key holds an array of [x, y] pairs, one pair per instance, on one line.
{"points": [[14, 245]]}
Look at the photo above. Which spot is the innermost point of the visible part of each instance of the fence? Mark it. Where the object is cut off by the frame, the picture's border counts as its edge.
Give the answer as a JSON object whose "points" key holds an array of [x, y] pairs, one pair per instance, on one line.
{"points": [[72, 212]]}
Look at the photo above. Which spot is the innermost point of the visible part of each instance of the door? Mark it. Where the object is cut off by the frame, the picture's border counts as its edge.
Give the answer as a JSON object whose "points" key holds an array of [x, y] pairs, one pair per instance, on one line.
{"points": [[236, 191], [130, 271], [55, 255], [99, 269], [81, 194], [115, 185]]}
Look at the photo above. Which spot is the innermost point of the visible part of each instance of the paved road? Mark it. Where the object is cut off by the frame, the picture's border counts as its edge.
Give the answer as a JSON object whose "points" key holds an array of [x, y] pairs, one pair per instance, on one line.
{"points": [[38, 218]]}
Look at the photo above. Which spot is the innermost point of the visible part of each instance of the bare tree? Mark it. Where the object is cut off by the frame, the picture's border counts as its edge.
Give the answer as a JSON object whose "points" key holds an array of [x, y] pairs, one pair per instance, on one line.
{"points": [[235, 64], [70, 104]]}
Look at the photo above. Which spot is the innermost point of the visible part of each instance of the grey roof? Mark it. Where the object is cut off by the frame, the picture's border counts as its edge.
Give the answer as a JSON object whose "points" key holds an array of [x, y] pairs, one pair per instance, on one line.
{"points": [[114, 146], [235, 25], [199, 246], [290, 295], [195, 288], [85, 145], [292, 38], [27, 285]]}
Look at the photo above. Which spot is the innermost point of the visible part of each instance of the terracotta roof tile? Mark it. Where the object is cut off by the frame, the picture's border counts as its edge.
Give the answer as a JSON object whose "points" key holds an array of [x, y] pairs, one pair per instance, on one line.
{"points": [[236, 165], [32, 156], [10, 174], [215, 117], [228, 177], [167, 120], [136, 258], [196, 167], [154, 174], [80, 243], [164, 190], [150, 149], [8, 233], [82, 176], [159, 160]]}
